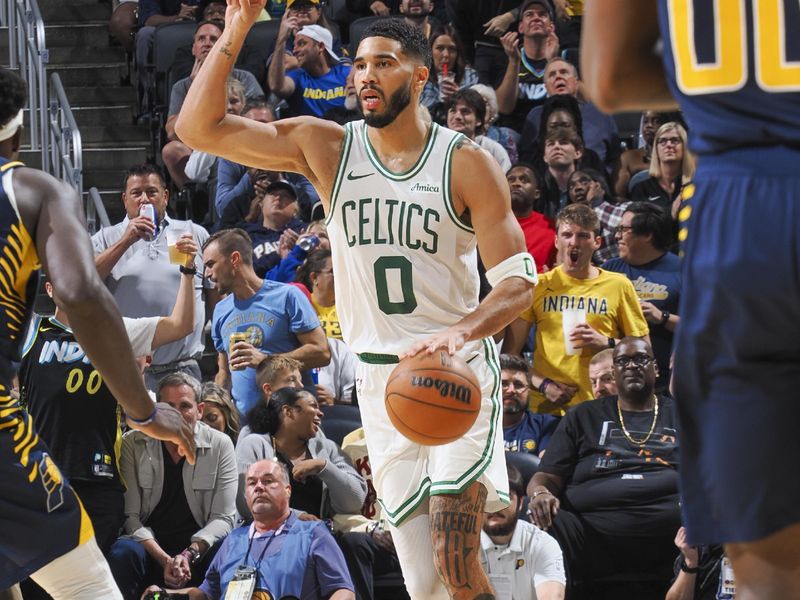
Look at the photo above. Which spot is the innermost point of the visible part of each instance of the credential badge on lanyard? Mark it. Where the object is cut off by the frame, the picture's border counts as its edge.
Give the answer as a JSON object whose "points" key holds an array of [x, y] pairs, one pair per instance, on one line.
{"points": [[245, 578], [727, 581], [243, 584]]}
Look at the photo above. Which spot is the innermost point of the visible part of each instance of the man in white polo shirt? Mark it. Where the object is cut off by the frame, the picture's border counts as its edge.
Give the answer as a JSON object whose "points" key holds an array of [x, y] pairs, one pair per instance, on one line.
{"points": [[522, 561]]}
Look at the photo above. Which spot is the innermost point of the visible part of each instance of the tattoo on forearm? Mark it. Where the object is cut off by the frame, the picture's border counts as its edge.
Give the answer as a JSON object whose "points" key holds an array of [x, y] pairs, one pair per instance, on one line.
{"points": [[225, 50]]}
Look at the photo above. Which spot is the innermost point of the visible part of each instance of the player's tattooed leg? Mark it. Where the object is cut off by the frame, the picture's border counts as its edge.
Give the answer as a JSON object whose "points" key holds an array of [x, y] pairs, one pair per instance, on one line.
{"points": [[455, 522]]}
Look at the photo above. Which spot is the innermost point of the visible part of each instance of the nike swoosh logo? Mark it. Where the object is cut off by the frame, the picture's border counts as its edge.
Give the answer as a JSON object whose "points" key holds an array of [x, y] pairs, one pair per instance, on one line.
{"points": [[352, 177], [653, 198]]}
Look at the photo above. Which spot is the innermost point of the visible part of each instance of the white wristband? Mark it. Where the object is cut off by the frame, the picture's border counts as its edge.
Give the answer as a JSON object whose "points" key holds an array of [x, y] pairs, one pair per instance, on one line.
{"points": [[519, 265]]}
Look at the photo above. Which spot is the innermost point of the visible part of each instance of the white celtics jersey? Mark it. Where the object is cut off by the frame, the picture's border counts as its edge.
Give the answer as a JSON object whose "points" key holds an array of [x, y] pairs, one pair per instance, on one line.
{"points": [[405, 265]]}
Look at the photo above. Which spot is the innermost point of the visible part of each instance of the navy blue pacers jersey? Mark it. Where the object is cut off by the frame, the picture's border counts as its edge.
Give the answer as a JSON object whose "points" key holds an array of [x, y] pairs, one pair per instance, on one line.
{"points": [[41, 518], [72, 409], [734, 67]]}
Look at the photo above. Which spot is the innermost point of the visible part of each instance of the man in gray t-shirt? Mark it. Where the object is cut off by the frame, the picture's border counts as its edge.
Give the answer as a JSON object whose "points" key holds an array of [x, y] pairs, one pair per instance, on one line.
{"points": [[175, 153], [133, 259]]}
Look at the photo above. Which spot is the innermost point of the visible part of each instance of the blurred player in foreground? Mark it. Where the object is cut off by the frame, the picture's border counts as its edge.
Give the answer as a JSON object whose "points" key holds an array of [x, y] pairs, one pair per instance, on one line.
{"points": [[734, 68]]}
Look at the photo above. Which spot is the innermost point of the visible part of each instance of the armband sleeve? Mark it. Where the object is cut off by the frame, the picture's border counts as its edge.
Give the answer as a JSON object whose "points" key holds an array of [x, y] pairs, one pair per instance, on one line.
{"points": [[519, 265]]}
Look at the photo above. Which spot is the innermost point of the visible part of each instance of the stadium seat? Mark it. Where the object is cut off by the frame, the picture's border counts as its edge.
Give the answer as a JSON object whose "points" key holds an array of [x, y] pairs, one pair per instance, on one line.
{"points": [[340, 411], [357, 27], [336, 10], [573, 56], [168, 38], [628, 126], [258, 46], [336, 429], [638, 178], [527, 464]]}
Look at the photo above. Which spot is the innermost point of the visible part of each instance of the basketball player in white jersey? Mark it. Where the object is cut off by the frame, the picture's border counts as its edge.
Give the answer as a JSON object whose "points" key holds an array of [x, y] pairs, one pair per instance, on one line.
{"points": [[406, 203]]}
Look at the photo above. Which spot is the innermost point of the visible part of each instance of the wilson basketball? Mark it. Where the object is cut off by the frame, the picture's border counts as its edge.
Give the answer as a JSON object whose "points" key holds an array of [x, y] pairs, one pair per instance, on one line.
{"points": [[433, 399]]}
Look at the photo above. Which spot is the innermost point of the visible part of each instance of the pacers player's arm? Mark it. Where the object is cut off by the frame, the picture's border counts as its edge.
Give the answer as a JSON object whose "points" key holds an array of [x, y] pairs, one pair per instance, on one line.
{"points": [[619, 64], [50, 211], [301, 145]]}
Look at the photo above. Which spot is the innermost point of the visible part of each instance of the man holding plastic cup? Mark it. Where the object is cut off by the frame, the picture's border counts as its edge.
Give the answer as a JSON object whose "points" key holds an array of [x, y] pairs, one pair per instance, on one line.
{"points": [[578, 309]]}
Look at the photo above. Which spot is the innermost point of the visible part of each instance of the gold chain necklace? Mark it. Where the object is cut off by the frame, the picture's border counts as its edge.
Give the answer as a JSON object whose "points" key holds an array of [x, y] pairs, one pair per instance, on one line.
{"points": [[649, 433]]}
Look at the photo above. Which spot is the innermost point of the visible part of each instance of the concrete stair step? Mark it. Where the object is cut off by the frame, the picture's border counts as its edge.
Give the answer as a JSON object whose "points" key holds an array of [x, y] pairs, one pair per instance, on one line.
{"points": [[58, 11], [90, 34], [109, 125], [90, 95], [89, 56], [97, 158], [105, 179], [107, 115], [115, 134], [121, 157], [99, 74]]}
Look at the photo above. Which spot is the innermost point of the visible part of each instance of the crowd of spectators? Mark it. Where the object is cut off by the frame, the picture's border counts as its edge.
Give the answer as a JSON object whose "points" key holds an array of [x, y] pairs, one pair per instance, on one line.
{"points": [[585, 370]]}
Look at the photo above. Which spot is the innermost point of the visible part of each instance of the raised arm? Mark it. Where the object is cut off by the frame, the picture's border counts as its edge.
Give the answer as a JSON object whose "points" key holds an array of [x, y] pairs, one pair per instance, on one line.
{"points": [[301, 145], [621, 70], [508, 90], [180, 322], [279, 84], [51, 210]]}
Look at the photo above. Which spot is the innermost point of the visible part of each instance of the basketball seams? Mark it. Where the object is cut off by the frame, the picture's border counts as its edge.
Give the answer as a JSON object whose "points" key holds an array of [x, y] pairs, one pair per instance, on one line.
{"points": [[394, 415], [426, 403], [447, 372]]}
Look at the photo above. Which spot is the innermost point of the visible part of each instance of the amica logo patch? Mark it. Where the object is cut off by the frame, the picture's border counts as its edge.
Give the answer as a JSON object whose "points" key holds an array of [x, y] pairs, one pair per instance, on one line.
{"points": [[424, 187]]}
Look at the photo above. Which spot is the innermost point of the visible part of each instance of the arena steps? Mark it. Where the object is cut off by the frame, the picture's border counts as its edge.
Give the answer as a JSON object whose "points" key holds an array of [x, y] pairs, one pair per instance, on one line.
{"points": [[58, 11], [73, 34], [94, 74]]}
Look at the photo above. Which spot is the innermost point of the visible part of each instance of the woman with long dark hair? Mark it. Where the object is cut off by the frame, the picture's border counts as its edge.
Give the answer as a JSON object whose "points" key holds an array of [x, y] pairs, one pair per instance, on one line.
{"points": [[449, 71], [284, 428]]}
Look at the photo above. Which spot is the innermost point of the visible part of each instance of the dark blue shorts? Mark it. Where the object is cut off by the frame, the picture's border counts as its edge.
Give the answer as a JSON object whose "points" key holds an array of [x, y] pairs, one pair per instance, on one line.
{"points": [[737, 360], [41, 518]]}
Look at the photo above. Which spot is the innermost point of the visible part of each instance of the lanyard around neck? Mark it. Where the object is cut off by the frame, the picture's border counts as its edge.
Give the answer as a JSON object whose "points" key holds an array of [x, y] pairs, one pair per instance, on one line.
{"points": [[278, 531]]}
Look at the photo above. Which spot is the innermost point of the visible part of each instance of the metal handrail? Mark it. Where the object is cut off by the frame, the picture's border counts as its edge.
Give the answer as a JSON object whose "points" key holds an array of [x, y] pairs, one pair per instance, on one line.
{"points": [[66, 147], [95, 210], [28, 52]]}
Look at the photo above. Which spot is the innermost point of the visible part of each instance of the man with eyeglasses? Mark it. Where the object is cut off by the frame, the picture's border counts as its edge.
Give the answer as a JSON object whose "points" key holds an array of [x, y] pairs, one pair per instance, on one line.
{"points": [[644, 237], [607, 487], [523, 430]]}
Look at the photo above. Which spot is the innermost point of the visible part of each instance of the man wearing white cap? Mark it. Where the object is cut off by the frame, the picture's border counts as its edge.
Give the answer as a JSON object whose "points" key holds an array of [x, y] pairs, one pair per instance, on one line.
{"points": [[318, 83]]}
